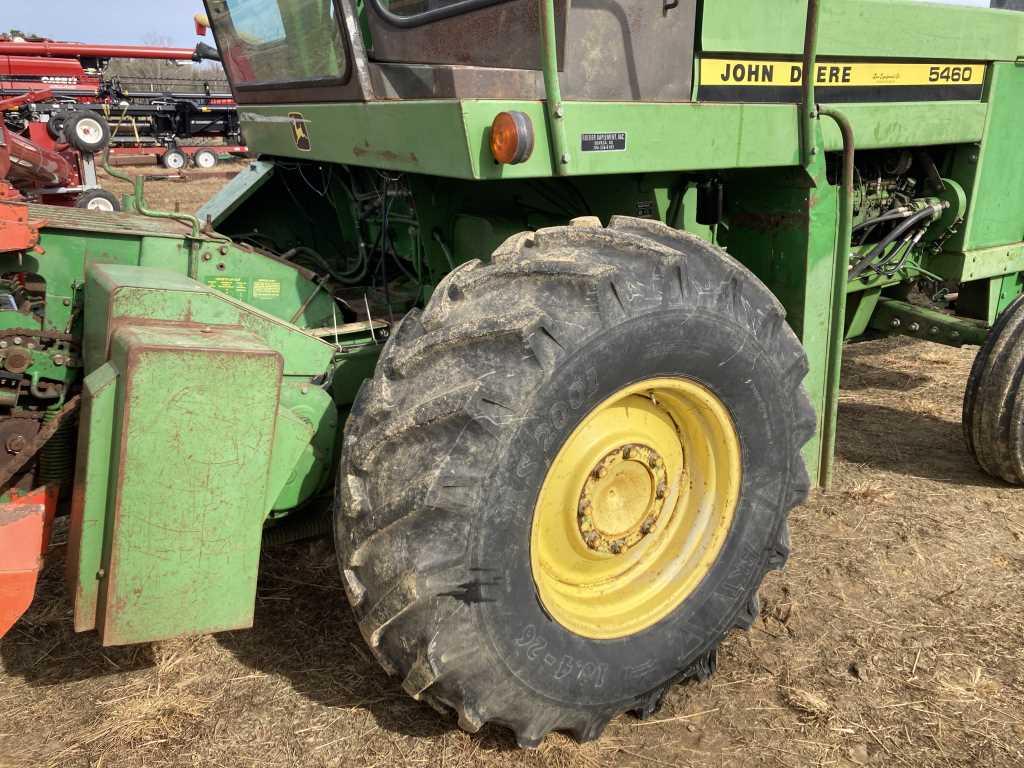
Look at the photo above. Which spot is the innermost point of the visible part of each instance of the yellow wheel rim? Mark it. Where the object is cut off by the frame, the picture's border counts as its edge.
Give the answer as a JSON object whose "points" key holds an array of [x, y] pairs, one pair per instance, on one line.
{"points": [[635, 508]]}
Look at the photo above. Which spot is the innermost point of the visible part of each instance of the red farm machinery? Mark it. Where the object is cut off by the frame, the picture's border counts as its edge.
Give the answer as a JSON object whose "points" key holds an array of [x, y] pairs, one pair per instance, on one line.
{"points": [[62, 106]]}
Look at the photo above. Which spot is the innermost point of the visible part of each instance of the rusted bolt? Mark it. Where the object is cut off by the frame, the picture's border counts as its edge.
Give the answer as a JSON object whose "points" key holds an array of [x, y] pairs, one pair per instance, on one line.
{"points": [[207, 257], [221, 267], [223, 250], [67, 302], [16, 443]]}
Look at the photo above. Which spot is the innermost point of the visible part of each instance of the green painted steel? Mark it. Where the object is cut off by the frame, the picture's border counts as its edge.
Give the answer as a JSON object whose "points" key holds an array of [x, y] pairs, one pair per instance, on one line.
{"points": [[902, 318], [864, 28], [993, 173], [234, 194], [400, 136], [182, 534], [980, 264]]}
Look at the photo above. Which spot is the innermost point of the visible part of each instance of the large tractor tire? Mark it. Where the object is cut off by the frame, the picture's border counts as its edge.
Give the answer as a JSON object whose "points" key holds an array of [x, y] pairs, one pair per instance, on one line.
{"points": [[569, 476], [993, 418]]}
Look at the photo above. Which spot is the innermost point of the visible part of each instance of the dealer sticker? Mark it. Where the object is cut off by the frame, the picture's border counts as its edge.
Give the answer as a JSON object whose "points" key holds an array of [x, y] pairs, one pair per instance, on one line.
{"points": [[603, 142]]}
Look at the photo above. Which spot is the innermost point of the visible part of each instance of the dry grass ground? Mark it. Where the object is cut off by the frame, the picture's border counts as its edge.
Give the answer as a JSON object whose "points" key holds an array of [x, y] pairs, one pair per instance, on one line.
{"points": [[894, 638]]}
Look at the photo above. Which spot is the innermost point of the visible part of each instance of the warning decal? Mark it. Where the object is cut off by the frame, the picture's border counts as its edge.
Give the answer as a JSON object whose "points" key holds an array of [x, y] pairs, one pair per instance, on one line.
{"points": [[776, 81]]}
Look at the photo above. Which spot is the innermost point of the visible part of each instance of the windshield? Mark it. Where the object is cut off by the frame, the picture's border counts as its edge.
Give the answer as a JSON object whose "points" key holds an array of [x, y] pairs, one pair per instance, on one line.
{"points": [[280, 41]]}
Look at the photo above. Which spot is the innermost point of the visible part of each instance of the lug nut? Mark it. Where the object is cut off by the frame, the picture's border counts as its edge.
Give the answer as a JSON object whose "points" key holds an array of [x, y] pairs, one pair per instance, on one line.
{"points": [[600, 472], [616, 547], [660, 490], [628, 452], [16, 444]]}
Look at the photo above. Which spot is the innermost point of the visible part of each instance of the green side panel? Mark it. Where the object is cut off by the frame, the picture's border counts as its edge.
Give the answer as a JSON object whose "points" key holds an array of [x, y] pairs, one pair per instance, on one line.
{"points": [[117, 295], [660, 137], [785, 231], [89, 505], [184, 529], [303, 457], [413, 136], [980, 264], [236, 192], [878, 28], [994, 173], [859, 309]]}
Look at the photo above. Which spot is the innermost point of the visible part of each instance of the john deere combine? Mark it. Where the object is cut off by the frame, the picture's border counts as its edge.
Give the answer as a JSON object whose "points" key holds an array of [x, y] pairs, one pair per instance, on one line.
{"points": [[549, 296]]}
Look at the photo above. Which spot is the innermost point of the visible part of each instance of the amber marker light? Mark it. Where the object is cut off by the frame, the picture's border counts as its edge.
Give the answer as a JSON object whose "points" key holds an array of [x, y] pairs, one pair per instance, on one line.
{"points": [[512, 138]]}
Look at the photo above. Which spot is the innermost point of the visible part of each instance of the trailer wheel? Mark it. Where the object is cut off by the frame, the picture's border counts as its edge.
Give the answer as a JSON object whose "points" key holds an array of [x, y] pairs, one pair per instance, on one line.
{"points": [[594, 408], [87, 132], [55, 125], [993, 417], [98, 200], [205, 159], [174, 160]]}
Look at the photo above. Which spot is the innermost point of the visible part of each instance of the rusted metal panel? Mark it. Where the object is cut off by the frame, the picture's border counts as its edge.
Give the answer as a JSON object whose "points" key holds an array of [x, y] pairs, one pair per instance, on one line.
{"points": [[192, 445]]}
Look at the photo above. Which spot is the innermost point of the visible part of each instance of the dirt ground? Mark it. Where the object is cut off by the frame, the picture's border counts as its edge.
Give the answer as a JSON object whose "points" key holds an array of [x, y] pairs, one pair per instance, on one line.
{"points": [[894, 638]]}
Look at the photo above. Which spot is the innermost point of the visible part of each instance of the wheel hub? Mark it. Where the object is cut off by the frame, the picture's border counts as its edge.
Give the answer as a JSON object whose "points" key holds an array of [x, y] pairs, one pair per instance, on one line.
{"points": [[635, 507], [622, 499]]}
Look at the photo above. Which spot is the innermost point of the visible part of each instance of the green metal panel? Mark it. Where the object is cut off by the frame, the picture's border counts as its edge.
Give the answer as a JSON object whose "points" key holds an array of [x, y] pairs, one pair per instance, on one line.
{"points": [[977, 265], [864, 28], [993, 174], [236, 192], [784, 229], [89, 505], [660, 137], [118, 294], [184, 532], [303, 445]]}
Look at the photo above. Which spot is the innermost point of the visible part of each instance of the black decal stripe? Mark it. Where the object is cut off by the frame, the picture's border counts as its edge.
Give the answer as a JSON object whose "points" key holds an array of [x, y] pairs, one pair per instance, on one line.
{"points": [[765, 94]]}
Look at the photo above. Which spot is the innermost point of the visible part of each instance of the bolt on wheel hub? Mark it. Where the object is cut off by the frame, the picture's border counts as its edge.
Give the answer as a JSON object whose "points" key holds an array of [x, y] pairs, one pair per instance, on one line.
{"points": [[636, 507], [622, 499]]}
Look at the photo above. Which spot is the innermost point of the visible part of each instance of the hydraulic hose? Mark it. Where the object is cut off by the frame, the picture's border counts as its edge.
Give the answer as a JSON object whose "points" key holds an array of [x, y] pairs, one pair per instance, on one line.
{"points": [[925, 216], [891, 216]]}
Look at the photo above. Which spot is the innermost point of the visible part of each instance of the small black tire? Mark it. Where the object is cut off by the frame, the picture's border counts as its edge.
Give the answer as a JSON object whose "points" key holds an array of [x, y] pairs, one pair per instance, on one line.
{"points": [[448, 444], [174, 160], [205, 159], [98, 200], [993, 415], [87, 132], [55, 125]]}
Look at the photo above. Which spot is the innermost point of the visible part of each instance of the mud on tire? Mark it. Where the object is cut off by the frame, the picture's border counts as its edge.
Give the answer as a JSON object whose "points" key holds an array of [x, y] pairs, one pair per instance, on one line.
{"points": [[448, 445]]}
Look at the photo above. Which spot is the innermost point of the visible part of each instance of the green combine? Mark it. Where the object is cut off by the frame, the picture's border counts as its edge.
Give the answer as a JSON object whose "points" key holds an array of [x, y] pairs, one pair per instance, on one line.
{"points": [[538, 305]]}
